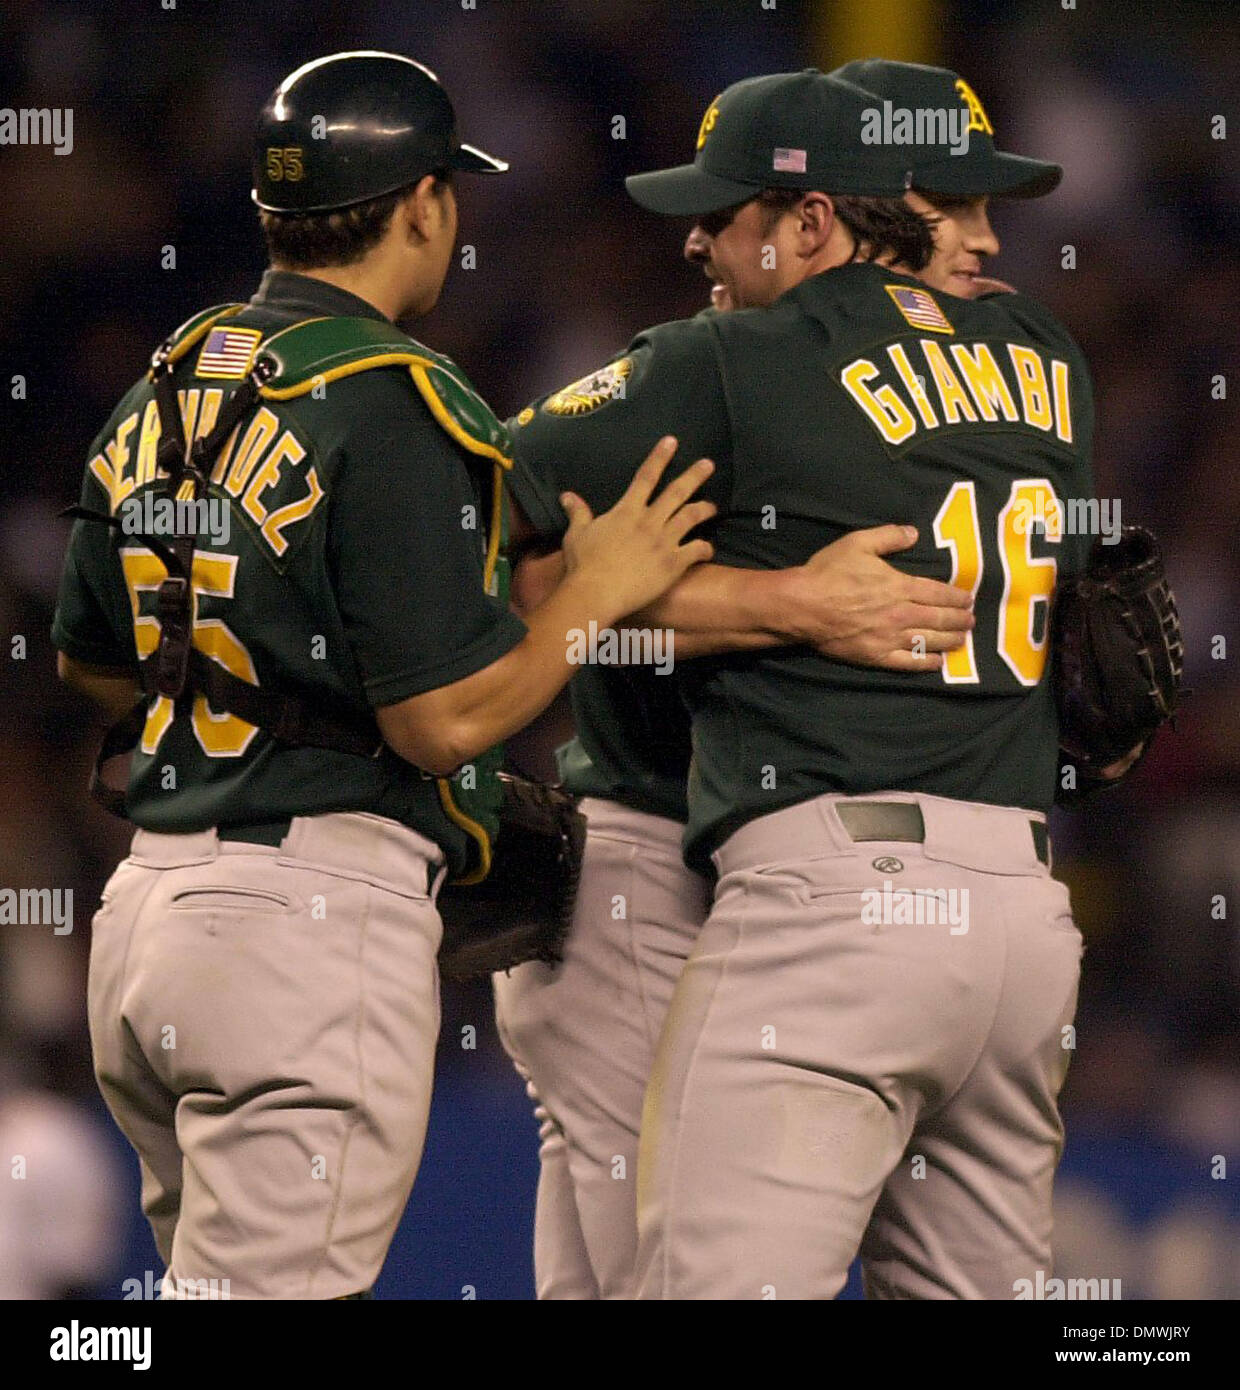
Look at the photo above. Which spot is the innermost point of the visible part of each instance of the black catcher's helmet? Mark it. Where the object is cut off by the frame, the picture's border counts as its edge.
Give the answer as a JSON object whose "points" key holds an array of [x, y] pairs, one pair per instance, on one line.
{"points": [[354, 126]]}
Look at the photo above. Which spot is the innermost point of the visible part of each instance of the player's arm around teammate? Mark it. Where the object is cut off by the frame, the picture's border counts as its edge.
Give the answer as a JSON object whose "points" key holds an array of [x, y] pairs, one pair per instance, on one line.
{"points": [[263, 993], [638, 545], [576, 1032], [583, 1034], [840, 1073], [846, 601]]}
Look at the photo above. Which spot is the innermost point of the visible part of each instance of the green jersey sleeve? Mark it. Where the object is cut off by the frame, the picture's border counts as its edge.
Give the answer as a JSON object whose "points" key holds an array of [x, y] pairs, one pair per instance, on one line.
{"points": [[532, 486], [591, 436], [406, 554], [92, 624]]}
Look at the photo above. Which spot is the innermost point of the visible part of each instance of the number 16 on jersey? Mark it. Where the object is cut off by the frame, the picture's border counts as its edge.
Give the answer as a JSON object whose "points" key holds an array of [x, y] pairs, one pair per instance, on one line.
{"points": [[1032, 509]]}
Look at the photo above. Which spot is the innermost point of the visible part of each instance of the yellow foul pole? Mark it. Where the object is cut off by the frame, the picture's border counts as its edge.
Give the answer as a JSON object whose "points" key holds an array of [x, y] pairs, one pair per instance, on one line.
{"points": [[909, 31]]}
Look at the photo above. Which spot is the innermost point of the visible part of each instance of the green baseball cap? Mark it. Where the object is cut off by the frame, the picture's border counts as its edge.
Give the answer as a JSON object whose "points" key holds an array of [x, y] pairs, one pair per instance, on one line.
{"points": [[784, 130], [979, 170]]}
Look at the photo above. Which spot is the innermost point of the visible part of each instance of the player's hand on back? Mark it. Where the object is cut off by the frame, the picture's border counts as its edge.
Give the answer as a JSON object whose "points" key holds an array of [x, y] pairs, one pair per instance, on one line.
{"points": [[850, 604], [636, 551]]}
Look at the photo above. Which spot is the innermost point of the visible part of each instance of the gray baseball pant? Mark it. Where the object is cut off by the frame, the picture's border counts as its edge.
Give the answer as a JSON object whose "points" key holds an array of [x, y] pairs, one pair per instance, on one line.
{"points": [[263, 1021], [837, 1076], [583, 1036]]}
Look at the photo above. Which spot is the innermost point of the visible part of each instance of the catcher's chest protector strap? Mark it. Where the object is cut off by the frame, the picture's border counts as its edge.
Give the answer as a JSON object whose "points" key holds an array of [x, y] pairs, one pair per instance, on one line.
{"points": [[292, 363]]}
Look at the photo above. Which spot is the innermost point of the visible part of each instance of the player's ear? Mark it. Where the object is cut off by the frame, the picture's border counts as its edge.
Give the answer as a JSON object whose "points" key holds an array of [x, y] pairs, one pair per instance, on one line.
{"points": [[422, 208], [815, 218]]}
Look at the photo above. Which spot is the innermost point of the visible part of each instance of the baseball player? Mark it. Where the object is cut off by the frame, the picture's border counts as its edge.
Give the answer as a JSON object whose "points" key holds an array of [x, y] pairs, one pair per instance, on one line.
{"points": [[584, 1033], [304, 675], [864, 1049]]}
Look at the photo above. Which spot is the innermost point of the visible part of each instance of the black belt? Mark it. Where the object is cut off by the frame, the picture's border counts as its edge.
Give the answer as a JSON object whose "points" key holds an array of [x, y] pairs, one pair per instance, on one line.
{"points": [[272, 832], [269, 832], [902, 820]]}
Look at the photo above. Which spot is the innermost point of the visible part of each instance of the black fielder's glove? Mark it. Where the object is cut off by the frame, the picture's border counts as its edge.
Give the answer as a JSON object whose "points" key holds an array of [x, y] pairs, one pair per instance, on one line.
{"points": [[522, 910], [1118, 657]]}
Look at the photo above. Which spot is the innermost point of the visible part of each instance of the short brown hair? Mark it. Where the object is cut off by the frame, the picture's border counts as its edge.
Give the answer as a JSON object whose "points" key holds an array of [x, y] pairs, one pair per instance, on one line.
{"points": [[880, 226], [340, 236]]}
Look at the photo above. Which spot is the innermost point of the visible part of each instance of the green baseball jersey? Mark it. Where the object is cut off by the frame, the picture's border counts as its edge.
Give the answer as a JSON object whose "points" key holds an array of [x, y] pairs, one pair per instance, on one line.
{"points": [[345, 564], [861, 398], [632, 740]]}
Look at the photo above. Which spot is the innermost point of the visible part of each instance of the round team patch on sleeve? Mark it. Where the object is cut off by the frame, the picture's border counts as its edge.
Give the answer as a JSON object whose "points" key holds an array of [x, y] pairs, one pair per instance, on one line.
{"points": [[593, 391]]}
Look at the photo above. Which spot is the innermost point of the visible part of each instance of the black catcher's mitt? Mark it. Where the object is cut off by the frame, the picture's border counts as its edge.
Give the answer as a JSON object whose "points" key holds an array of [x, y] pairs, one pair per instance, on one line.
{"points": [[1118, 654], [523, 908]]}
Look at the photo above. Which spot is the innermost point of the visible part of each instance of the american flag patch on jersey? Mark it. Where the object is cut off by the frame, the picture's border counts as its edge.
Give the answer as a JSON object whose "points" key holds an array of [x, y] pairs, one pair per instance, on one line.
{"points": [[789, 162], [920, 309], [228, 352]]}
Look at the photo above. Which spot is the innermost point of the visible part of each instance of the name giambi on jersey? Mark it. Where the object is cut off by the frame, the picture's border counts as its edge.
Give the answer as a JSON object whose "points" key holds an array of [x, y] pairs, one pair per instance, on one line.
{"points": [[926, 384]]}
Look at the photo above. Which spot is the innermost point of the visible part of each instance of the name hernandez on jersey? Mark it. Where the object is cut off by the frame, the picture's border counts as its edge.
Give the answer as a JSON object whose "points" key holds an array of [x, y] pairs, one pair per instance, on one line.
{"points": [[259, 464]]}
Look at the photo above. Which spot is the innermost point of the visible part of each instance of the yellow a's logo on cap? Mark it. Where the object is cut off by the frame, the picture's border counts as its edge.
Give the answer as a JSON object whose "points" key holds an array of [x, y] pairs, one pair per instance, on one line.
{"points": [[978, 120], [708, 123]]}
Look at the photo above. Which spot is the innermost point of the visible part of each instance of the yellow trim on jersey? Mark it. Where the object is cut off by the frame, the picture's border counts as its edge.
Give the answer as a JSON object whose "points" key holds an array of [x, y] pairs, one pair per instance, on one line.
{"points": [[451, 809], [417, 365], [417, 370], [497, 527], [303, 388], [471, 827], [192, 339], [454, 813], [301, 323]]}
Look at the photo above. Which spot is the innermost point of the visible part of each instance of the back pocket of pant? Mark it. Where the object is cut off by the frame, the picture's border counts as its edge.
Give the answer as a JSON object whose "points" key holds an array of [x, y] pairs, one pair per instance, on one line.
{"points": [[230, 898]]}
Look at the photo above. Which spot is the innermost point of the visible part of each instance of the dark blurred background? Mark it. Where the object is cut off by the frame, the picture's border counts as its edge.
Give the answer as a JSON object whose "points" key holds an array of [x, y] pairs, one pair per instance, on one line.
{"points": [[1126, 96]]}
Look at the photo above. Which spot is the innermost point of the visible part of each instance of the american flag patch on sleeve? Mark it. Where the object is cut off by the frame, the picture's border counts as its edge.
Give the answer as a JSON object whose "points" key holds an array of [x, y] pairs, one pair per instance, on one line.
{"points": [[228, 352], [920, 309]]}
